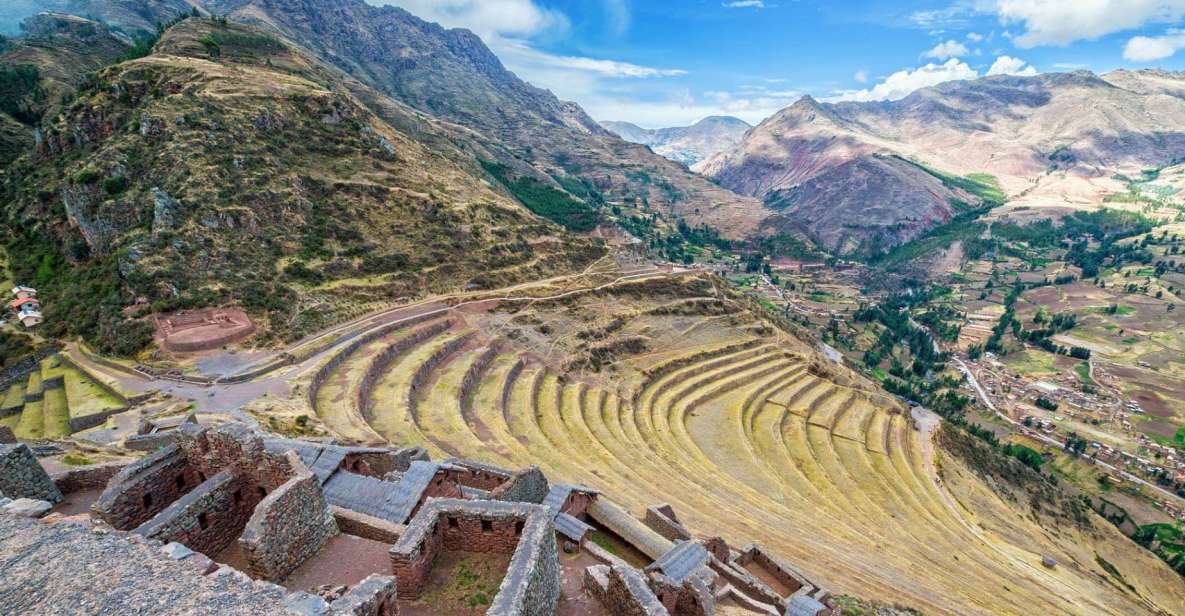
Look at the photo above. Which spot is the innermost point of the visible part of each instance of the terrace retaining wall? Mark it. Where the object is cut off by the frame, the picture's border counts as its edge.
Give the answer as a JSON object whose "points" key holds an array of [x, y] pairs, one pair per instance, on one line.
{"points": [[383, 361]]}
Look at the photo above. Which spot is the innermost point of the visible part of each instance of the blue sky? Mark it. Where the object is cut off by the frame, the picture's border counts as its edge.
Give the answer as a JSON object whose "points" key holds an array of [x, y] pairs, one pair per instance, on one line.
{"points": [[672, 62]]}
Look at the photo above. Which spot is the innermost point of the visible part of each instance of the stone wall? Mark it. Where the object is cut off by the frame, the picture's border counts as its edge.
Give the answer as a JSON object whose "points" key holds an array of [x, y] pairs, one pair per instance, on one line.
{"points": [[291, 524], [20, 370], [6, 435], [366, 526], [755, 555], [526, 486], [373, 462], [234, 446], [327, 368], [21, 475], [382, 361], [531, 584], [88, 477], [476, 475], [145, 487], [208, 518], [374, 596], [623, 591], [661, 519]]}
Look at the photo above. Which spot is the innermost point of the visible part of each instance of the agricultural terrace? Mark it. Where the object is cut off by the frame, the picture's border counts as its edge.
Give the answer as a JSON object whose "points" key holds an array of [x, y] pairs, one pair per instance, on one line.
{"points": [[684, 393]]}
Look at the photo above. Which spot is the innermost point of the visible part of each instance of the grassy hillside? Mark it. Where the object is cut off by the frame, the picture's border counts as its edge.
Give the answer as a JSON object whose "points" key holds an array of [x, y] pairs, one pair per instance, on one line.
{"points": [[225, 167]]}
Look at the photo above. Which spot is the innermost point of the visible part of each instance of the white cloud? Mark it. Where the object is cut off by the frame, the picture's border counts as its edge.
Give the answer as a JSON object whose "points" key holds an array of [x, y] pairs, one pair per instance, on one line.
{"points": [[975, 37], [1149, 48], [511, 27], [903, 82], [486, 18], [1007, 65], [948, 49], [618, 12], [861, 76], [745, 4], [952, 17], [1060, 22]]}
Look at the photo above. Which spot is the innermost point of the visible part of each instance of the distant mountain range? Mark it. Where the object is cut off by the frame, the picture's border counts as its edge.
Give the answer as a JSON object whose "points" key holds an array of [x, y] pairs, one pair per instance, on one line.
{"points": [[859, 177], [686, 144]]}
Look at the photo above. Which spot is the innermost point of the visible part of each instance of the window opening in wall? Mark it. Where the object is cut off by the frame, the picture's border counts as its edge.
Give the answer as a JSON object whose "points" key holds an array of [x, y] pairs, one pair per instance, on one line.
{"points": [[518, 527], [201, 477], [147, 501], [239, 496], [452, 522], [262, 491], [487, 526], [179, 482], [203, 521]]}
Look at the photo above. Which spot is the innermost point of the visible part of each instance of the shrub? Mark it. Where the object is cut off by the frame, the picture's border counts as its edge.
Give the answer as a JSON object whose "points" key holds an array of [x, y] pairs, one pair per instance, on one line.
{"points": [[115, 185]]}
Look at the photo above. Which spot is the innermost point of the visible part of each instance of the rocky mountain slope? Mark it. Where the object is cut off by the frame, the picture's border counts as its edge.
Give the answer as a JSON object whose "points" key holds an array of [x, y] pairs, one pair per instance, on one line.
{"points": [[229, 167], [685, 144], [1018, 129], [45, 65], [452, 76]]}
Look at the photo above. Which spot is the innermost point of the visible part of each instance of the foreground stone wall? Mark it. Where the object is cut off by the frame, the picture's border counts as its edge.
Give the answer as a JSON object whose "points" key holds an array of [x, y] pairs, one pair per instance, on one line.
{"points": [[374, 596], [207, 519], [532, 583], [145, 488], [232, 446], [289, 525], [623, 591], [755, 555], [366, 526], [662, 520], [88, 477], [21, 475], [526, 486]]}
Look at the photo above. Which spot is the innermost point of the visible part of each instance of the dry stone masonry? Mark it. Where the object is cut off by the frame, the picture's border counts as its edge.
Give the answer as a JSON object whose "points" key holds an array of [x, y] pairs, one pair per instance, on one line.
{"points": [[163, 524], [21, 476]]}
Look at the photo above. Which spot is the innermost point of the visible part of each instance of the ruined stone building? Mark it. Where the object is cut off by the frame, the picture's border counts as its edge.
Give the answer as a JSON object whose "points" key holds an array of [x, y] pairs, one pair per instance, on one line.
{"points": [[224, 520]]}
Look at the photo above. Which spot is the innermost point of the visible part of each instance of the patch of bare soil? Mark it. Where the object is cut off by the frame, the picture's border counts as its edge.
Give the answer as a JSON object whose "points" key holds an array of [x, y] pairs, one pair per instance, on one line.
{"points": [[78, 502], [1152, 404], [343, 560]]}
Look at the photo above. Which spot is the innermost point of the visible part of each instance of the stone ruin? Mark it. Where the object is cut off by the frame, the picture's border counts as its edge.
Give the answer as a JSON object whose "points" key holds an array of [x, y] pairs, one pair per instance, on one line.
{"points": [[163, 527], [203, 329]]}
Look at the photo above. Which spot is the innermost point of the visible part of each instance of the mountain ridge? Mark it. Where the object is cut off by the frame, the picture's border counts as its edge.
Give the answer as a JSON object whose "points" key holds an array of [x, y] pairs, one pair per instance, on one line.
{"points": [[685, 144], [1017, 129]]}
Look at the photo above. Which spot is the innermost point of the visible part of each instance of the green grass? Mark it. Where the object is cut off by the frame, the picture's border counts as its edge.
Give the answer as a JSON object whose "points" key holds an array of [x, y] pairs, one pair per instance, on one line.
{"points": [[1083, 372], [982, 185], [55, 414], [544, 200]]}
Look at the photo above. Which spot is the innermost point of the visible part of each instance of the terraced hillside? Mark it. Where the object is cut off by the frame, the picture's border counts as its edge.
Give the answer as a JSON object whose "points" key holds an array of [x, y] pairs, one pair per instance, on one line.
{"points": [[56, 401], [748, 434]]}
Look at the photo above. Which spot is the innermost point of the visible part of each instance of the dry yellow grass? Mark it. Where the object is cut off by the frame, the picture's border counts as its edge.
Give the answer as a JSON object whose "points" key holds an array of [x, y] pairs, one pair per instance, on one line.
{"points": [[747, 444]]}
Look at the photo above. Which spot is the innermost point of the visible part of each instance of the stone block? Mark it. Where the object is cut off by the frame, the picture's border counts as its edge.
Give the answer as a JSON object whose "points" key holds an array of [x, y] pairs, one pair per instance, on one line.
{"points": [[29, 507], [374, 596]]}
